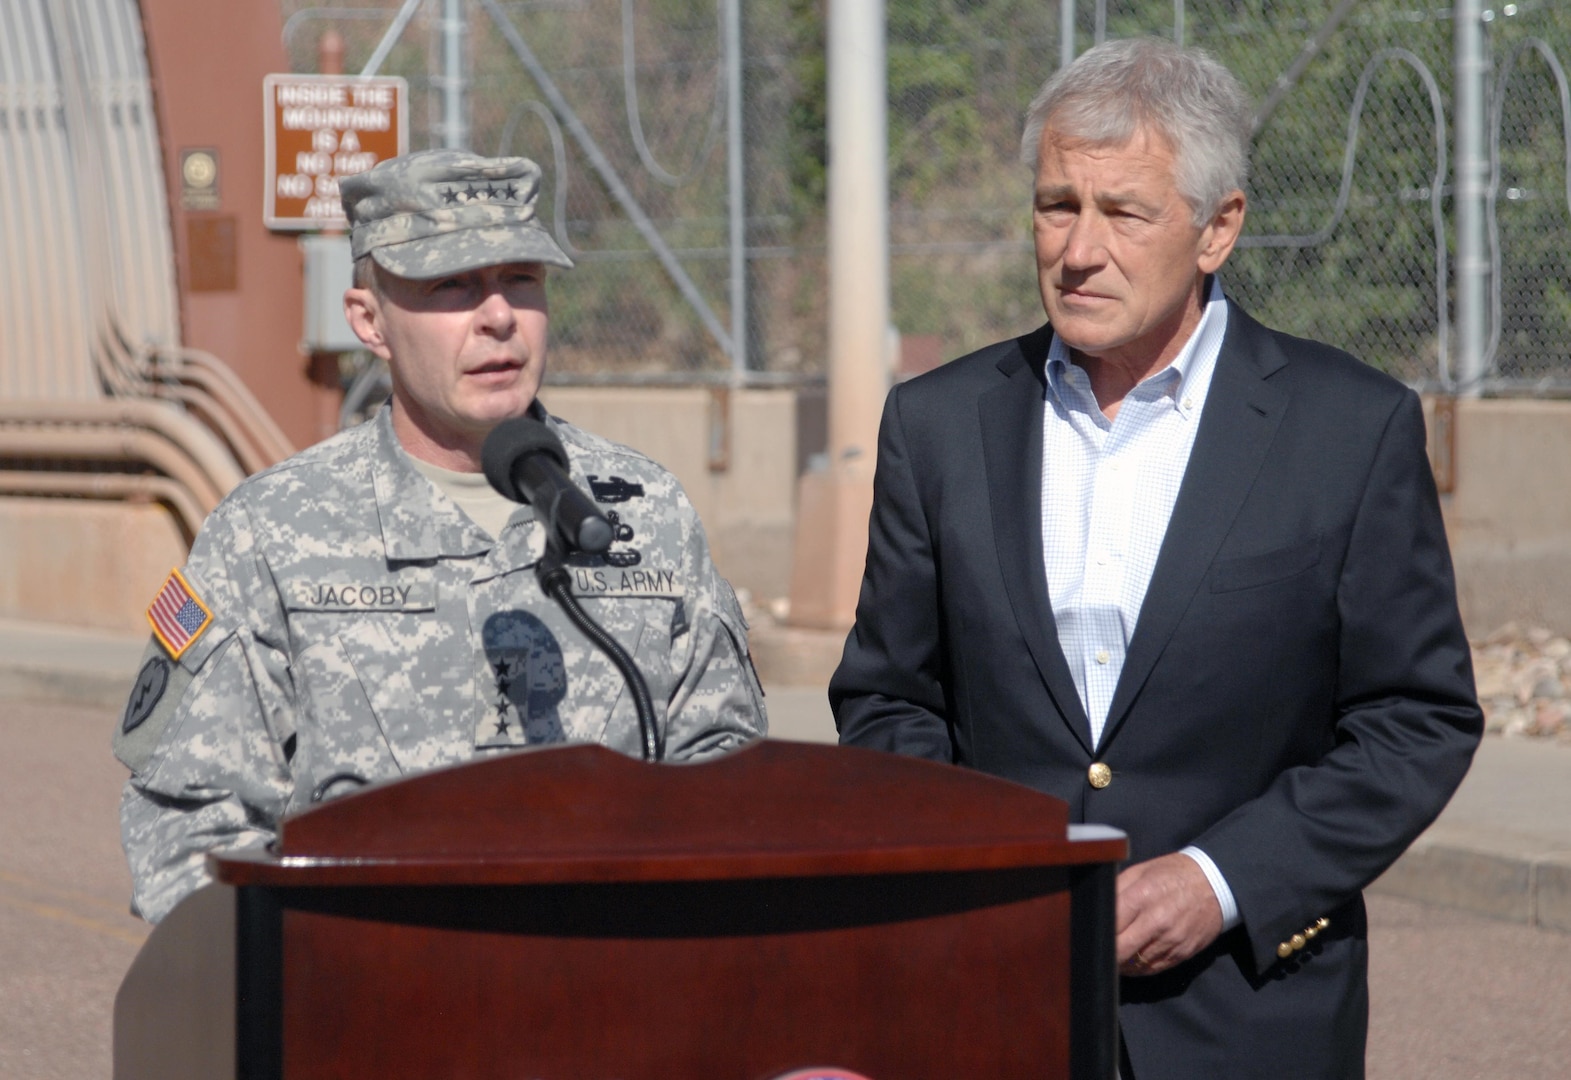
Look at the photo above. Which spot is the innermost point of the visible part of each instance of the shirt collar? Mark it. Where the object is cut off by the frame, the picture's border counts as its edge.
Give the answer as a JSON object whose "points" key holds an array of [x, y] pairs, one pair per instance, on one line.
{"points": [[418, 521], [1206, 338]]}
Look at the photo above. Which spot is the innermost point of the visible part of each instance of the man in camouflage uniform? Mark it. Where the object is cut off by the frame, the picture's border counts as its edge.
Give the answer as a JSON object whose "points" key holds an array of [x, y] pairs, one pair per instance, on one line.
{"points": [[368, 608]]}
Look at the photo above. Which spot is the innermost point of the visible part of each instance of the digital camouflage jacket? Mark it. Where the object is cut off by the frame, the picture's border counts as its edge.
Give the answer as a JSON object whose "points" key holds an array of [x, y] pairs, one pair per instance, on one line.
{"points": [[341, 622]]}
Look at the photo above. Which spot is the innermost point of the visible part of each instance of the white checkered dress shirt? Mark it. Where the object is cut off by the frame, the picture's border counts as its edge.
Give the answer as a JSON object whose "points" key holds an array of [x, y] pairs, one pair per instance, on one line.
{"points": [[1108, 489]]}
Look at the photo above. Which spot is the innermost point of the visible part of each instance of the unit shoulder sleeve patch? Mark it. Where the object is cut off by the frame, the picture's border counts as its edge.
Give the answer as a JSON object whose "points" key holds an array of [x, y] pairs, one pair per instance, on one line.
{"points": [[160, 685]]}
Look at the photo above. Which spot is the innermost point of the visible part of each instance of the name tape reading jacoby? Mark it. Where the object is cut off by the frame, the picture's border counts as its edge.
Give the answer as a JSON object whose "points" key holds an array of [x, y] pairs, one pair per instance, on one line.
{"points": [[362, 596]]}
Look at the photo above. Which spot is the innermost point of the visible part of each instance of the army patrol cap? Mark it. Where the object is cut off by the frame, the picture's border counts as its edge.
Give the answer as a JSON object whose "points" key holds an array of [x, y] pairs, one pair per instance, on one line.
{"points": [[438, 212]]}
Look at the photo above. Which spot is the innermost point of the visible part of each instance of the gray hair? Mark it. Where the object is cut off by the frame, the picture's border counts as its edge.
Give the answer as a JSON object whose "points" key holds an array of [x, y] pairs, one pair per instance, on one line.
{"points": [[1115, 89]]}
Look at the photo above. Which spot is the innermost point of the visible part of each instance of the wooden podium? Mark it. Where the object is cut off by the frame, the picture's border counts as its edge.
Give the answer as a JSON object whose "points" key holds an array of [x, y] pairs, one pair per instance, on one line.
{"points": [[572, 914]]}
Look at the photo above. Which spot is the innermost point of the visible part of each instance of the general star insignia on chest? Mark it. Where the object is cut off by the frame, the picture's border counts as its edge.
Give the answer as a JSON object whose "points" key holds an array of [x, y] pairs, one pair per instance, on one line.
{"points": [[506, 671]]}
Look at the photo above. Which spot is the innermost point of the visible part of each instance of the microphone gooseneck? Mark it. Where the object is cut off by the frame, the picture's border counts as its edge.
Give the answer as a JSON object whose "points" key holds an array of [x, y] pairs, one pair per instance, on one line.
{"points": [[526, 462], [555, 583]]}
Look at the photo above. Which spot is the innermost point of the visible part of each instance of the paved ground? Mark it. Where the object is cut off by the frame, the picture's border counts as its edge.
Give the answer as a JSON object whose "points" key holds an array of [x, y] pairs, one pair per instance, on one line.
{"points": [[65, 937], [1456, 996]]}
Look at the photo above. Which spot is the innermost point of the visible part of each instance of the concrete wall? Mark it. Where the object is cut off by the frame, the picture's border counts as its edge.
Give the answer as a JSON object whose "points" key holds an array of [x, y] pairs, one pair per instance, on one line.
{"points": [[736, 453], [1509, 514], [241, 284], [84, 563]]}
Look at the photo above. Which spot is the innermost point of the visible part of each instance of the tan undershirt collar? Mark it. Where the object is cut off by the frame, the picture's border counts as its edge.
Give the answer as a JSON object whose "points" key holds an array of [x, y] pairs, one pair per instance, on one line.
{"points": [[472, 493]]}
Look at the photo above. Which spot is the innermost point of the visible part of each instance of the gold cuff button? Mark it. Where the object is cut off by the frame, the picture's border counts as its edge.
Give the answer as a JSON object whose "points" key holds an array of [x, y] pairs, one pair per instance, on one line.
{"points": [[1099, 775], [1304, 937]]}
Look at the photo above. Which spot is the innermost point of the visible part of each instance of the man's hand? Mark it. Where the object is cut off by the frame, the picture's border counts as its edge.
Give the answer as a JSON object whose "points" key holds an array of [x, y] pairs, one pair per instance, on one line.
{"points": [[1167, 912]]}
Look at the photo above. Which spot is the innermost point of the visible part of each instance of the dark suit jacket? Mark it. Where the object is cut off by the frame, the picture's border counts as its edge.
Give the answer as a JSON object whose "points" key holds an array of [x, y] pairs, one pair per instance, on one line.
{"points": [[1297, 697]]}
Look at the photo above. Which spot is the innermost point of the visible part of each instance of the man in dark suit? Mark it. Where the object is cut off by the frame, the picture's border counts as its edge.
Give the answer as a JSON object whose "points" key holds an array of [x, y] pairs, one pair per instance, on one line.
{"points": [[1183, 571]]}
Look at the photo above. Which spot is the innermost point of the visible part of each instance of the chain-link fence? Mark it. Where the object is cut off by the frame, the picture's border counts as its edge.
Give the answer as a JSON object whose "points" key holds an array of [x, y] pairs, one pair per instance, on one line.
{"points": [[1350, 236], [1530, 208], [624, 104]]}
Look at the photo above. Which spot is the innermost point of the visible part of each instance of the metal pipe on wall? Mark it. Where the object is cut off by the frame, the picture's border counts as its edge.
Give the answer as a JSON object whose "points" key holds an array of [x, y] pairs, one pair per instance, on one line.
{"points": [[236, 439], [193, 441], [116, 486], [86, 443], [208, 373], [47, 309], [203, 384]]}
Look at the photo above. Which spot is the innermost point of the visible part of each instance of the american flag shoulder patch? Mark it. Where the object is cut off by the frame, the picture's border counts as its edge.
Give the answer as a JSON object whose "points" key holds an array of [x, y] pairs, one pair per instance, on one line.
{"points": [[177, 616]]}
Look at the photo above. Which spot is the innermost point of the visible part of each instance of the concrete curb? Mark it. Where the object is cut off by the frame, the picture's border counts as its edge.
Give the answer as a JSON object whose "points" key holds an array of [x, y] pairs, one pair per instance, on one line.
{"points": [[89, 690], [1486, 872], [67, 665]]}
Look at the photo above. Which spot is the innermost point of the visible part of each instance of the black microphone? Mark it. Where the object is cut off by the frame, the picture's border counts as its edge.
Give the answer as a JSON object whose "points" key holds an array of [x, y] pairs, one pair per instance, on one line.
{"points": [[526, 462]]}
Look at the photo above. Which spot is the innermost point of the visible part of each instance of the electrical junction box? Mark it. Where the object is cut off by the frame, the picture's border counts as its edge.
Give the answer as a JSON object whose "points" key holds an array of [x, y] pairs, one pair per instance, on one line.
{"points": [[329, 270]]}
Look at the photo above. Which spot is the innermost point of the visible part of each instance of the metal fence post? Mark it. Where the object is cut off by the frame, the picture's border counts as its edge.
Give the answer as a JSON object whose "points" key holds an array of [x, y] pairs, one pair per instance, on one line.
{"points": [[1471, 79], [1066, 32], [833, 503], [858, 226], [736, 187], [455, 80]]}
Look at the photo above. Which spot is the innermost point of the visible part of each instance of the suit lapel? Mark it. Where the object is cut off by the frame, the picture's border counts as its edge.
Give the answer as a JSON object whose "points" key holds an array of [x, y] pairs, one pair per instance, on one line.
{"points": [[1011, 419], [1242, 413]]}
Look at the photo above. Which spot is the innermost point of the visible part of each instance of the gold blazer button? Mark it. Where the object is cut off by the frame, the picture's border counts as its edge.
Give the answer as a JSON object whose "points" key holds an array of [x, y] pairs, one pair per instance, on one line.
{"points": [[1099, 775]]}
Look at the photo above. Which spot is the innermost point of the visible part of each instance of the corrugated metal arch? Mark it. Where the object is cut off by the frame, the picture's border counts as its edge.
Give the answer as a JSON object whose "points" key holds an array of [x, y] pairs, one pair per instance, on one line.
{"points": [[85, 245]]}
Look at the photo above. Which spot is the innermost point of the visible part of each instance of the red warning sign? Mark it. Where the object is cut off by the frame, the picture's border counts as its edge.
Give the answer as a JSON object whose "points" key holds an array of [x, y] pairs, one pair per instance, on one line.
{"points": [[319, 129]]}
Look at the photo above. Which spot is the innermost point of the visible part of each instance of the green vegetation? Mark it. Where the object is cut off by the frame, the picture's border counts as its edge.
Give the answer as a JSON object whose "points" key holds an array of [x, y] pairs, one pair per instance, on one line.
{"points": [[960, 75]]}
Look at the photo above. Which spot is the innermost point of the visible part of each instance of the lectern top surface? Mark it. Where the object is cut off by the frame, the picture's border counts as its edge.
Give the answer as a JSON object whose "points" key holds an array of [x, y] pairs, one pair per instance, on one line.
{"points": [[585, 814]]}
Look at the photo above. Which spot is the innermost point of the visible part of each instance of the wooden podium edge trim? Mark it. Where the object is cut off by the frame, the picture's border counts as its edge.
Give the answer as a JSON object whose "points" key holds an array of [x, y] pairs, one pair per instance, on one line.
{"points": [[261, 868]]}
